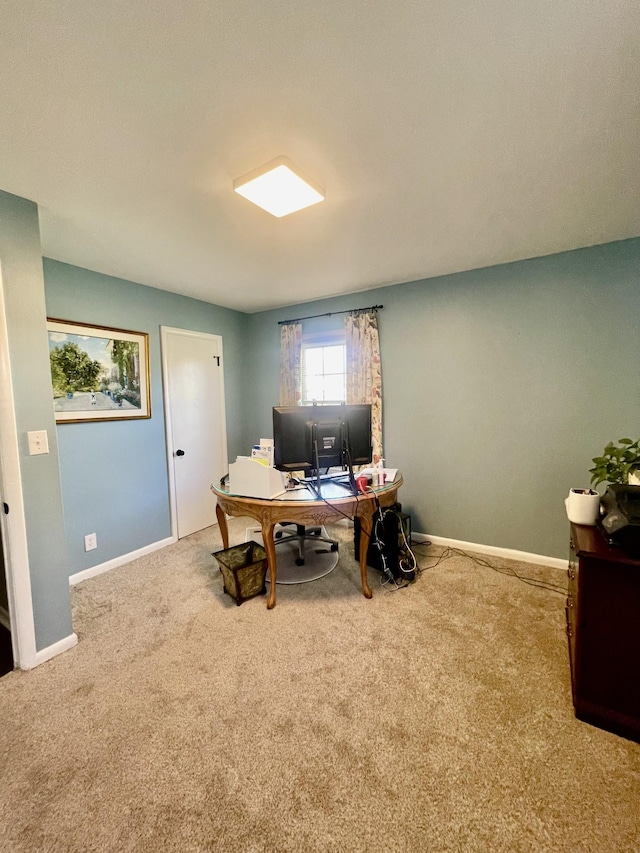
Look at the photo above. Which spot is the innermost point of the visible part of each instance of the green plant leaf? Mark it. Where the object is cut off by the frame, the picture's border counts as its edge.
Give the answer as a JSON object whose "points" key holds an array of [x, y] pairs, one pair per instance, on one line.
{"points": [[616, 462]]}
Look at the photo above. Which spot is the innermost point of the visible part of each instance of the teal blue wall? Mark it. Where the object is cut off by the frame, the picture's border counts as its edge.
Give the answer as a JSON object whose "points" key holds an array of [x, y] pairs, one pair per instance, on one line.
{"points": [[21, 260], [114, 473], [499, 386]]}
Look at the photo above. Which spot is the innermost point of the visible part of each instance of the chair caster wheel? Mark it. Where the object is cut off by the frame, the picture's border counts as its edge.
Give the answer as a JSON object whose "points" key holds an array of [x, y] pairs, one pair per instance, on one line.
{"points": [[299, 562], [334, 547], [278, 534]]}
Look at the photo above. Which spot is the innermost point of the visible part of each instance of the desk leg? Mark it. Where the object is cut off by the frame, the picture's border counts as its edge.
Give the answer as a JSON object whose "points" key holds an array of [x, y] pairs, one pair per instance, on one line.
{"points": [[366, 526], [270, 548], [224, 530]]}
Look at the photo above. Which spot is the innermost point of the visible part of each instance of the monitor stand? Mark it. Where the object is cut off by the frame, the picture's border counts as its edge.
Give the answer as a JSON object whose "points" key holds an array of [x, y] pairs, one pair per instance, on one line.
{"points": [[344, 478]]}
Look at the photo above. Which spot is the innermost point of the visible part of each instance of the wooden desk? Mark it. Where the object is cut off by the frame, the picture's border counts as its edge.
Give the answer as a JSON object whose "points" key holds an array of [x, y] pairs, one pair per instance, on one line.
{"points": [[302, 507], [603, 603]]}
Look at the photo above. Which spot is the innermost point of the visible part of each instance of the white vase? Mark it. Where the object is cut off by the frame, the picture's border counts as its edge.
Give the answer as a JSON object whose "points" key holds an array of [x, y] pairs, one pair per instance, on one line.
{"points": [[583, 506]]}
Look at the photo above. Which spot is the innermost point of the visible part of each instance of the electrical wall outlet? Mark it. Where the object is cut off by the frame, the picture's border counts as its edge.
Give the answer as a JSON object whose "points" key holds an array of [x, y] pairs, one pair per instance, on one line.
{"points": [[38, 442], [90, 542]]}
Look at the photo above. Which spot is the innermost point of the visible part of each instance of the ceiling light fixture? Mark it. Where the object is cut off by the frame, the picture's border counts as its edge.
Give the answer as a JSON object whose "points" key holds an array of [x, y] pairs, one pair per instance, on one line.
{"points": [[279, 188]]}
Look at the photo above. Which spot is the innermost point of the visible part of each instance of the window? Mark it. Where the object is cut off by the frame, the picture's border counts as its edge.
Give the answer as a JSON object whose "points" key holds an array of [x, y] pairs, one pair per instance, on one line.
{"points": [[324, 369]]}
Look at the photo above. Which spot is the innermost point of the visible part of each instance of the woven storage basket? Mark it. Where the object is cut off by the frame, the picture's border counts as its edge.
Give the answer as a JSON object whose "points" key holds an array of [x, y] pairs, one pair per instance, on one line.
{"points": [[244, 570]]}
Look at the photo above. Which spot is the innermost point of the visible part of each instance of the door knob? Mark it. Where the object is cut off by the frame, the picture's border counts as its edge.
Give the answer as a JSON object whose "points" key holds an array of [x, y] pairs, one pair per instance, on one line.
{"points": [[179, 452]]}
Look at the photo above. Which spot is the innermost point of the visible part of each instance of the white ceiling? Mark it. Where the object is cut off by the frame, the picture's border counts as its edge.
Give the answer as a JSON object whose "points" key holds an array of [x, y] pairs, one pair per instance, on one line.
{"points": [[448, 134]]}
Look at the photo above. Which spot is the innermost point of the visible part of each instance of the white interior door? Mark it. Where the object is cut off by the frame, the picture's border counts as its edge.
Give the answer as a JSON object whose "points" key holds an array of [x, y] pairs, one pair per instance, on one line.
{"points": [[196, 429]]}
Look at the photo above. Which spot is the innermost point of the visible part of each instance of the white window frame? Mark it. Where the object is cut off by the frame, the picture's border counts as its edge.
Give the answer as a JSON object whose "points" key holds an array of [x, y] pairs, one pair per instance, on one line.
{"points": [[317, 340]]}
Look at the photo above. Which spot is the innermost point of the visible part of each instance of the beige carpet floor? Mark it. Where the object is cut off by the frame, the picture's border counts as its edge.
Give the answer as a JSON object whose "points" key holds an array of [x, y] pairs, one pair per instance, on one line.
{"points": [[434, 718]]}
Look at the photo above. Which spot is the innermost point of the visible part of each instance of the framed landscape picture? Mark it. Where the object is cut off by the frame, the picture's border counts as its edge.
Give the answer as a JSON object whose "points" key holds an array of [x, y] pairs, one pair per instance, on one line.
{"points": [[98, 373]]}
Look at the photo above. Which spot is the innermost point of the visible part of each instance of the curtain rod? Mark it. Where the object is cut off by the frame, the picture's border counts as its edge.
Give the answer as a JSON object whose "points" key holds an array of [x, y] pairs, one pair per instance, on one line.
{"points": [[329, 314]]}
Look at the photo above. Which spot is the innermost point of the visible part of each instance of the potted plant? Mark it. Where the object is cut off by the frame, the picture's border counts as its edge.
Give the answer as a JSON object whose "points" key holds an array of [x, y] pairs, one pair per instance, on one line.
{"points": [[619, 463]]}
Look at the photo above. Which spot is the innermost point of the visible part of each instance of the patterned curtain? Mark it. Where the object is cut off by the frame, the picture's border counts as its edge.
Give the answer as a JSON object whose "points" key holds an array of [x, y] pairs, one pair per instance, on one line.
{"points": [[290, 358], [364, 374]]}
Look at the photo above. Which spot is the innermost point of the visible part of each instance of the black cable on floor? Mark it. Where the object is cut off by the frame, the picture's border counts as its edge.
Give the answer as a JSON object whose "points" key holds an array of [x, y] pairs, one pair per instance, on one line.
{"points": [[449, 552]]}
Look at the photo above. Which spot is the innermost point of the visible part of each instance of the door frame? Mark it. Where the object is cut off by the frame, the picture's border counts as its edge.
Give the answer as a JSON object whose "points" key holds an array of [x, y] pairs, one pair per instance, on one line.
{"points": [[14, 528], [165, 332]]}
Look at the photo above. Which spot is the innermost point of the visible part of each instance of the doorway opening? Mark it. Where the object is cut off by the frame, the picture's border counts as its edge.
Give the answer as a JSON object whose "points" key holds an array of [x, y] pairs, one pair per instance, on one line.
{"points": [[16, 609], [6, 649]]}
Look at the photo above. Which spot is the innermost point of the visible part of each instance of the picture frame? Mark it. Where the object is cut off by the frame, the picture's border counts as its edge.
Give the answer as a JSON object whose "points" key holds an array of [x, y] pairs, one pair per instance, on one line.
{"points": [[98, 373]]}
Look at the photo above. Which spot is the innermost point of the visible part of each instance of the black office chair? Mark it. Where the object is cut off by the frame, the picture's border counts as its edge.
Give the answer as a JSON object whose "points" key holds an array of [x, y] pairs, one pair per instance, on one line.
{"points": [[304, 534]]}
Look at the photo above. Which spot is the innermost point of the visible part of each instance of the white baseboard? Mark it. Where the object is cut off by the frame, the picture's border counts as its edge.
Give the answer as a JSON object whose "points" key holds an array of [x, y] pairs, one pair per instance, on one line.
{"points": [[492, 550], [53, 650], [119, 561], [45, 654]]}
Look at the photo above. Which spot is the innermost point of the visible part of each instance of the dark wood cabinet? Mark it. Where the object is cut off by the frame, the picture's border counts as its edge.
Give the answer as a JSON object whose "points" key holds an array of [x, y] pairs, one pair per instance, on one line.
{"points": [[603, 628]]}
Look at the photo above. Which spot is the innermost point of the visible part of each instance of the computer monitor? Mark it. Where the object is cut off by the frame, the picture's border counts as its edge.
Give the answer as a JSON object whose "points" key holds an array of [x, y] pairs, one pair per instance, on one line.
{"points": [[308, 438]]}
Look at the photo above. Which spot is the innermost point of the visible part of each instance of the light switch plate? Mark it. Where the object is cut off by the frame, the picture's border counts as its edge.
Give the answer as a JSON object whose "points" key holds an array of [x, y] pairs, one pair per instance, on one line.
{"points": [[38, 442]]}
